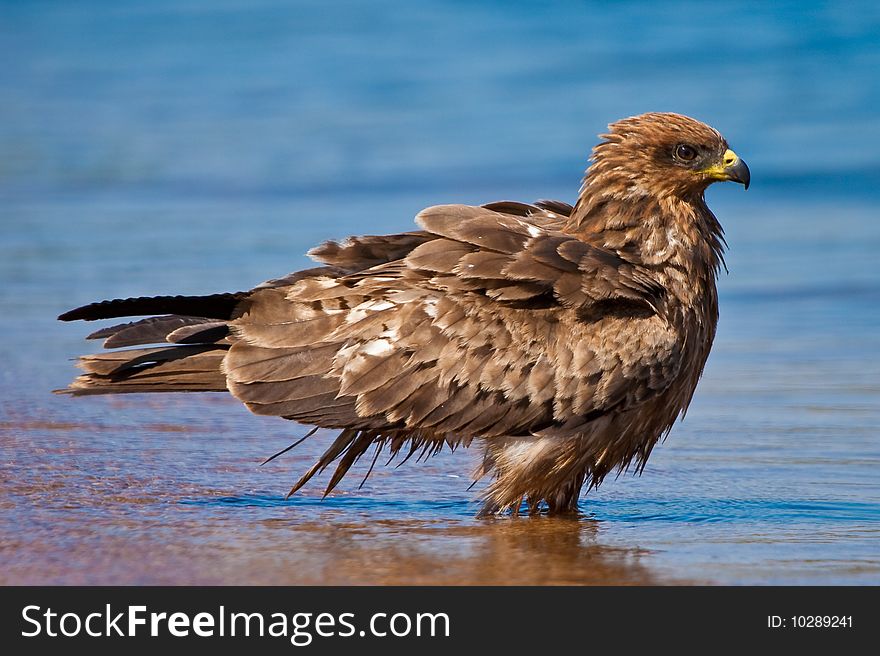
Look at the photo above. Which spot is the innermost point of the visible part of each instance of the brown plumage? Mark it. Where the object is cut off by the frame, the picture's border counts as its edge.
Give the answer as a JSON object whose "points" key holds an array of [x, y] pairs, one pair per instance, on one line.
{"points": [[565, 340]]}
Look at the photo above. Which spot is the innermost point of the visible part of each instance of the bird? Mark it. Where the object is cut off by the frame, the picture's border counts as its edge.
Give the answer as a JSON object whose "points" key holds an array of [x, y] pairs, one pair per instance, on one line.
{"points": [[563, 341]]}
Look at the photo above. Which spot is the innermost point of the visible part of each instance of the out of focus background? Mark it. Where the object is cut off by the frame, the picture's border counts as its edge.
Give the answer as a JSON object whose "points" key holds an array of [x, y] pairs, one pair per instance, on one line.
{"points": [[189, 146]]}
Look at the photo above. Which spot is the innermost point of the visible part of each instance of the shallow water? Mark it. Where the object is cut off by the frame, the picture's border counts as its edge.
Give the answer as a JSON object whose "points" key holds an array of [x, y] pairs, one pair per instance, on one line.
{"points": [[174, 149]]}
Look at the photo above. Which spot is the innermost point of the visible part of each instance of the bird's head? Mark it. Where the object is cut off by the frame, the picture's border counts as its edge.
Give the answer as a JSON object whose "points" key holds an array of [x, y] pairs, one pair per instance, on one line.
{"points": [[659, 154]]}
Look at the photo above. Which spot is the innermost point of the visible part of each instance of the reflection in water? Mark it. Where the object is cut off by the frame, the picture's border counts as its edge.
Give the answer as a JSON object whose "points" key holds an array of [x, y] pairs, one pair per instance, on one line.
{"points": [[512, 551]]}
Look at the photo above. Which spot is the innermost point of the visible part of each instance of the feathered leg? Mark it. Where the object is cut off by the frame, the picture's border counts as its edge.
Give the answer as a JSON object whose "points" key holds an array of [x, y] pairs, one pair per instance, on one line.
{"points": [[538, 470]]}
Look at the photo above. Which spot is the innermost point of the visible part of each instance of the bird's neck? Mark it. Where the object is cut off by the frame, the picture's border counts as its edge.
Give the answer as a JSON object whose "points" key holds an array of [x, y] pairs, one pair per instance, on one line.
{"points": [[673, 235]]}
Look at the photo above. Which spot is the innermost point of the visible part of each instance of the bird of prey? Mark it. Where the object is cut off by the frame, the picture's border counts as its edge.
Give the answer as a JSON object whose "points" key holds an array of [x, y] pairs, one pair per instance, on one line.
{"points": [[564, 340]]}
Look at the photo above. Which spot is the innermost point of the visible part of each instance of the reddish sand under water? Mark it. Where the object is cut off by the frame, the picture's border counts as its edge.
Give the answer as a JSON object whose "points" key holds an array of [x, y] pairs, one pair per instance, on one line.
{"points": [[105, 504]]}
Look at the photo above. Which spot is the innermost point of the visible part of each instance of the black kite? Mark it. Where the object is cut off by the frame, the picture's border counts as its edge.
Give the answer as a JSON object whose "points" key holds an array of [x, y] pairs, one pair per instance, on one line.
{"points": [[566, 340]]}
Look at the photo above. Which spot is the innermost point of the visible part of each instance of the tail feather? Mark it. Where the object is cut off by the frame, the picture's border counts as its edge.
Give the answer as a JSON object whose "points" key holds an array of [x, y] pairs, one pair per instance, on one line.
{"points": [[195, 326], [152, 330], [215, 306], [209, 332], [162, 369]]}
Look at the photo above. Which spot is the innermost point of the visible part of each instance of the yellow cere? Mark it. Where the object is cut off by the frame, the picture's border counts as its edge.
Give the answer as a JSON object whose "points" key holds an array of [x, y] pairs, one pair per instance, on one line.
{"points": [[718, 171]]}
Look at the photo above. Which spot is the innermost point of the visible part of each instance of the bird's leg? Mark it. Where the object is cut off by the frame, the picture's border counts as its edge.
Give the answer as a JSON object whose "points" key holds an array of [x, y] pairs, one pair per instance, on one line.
{"points": [[533, 470], [565, 499]]}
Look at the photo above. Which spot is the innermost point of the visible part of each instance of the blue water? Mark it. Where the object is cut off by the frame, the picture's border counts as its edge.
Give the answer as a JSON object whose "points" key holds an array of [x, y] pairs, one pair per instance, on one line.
{"points": [[192, 146]]}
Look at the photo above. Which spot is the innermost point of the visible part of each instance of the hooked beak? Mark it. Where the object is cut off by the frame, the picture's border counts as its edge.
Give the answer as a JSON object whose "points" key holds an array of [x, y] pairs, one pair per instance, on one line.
{"points": [[731, 168]]}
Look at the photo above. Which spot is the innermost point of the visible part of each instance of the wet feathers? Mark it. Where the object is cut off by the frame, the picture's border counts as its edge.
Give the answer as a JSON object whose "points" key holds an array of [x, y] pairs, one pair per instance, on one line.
{"points": [[564, 340]]}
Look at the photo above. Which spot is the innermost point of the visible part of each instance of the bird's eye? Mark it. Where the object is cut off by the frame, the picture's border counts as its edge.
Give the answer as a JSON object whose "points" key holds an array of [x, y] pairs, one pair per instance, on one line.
{"points": [[685, 153]]}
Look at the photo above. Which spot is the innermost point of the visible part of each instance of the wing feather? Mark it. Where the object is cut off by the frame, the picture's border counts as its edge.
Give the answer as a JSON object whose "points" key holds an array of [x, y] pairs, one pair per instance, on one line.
{"points": [[487, 322]]}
